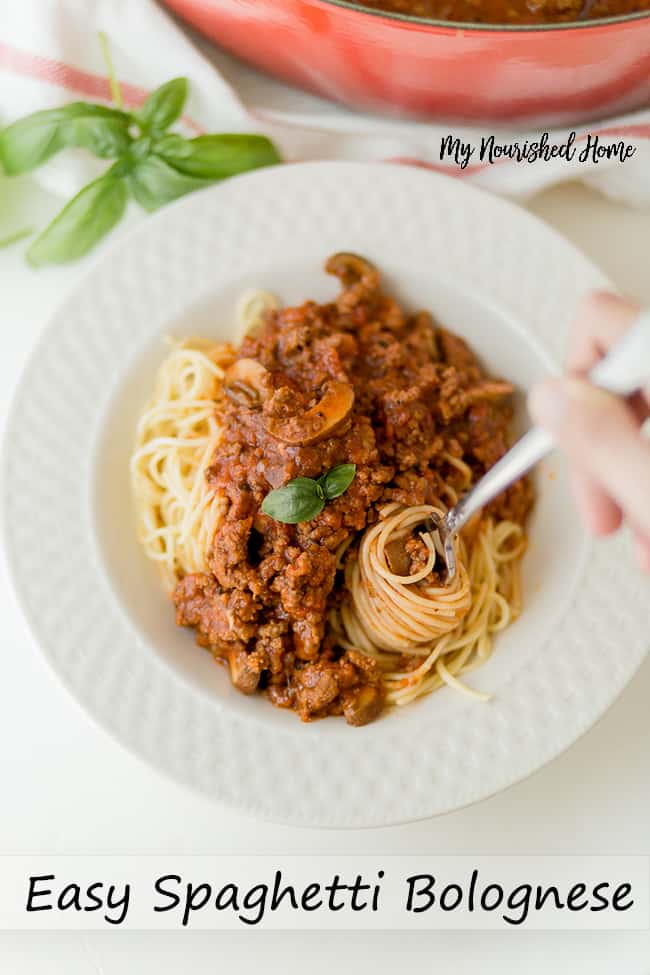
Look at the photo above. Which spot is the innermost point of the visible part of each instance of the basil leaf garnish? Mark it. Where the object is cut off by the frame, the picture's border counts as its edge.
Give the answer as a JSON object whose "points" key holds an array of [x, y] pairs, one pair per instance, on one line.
{"points": [[82, 222], [163, 106], [338, 480], [303, 498], [298, 500]]}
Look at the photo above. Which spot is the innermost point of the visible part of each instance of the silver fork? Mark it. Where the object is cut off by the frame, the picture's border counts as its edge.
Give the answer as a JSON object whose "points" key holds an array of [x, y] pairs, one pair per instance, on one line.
{"points": [[623, 371]]}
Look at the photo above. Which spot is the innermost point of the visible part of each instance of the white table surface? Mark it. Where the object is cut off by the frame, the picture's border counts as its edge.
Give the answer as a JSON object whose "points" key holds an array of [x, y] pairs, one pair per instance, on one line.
{"points": [[67, 788]]}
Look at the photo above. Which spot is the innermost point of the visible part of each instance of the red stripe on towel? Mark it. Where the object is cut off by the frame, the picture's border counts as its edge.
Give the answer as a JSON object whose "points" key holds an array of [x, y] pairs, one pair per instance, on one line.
{"points": [[72, 79]]}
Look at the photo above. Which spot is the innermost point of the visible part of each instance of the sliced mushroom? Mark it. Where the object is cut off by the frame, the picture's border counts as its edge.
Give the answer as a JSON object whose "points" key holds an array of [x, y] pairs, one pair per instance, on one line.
{"points": [[397, 557], [360, 280], [350, 268], [248, 382], [320, 421]]}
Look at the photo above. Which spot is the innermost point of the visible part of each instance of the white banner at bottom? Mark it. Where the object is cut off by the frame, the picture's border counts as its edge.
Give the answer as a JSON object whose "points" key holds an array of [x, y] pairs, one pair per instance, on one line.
{"points": [[325, 892]]}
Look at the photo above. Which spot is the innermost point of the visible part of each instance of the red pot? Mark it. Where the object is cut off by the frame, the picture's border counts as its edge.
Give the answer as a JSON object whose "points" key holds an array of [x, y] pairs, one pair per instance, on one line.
{"points": [[380, 62]]}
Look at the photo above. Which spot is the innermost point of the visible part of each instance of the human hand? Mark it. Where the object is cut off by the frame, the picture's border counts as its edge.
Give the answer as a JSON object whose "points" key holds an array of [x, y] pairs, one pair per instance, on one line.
{"points": [[600, 433]]}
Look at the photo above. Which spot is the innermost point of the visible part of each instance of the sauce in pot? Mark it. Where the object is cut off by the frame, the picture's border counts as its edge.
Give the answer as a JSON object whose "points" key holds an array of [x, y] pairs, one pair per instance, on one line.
{"points": [[511, 11]]}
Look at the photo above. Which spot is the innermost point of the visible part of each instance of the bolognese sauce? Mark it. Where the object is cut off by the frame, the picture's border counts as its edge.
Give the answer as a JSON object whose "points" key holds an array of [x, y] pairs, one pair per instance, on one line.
{"points": [[353, 381]]}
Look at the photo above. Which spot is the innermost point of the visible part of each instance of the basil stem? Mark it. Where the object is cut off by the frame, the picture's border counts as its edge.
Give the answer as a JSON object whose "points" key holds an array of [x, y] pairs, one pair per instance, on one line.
{"points": [[113, 83]]}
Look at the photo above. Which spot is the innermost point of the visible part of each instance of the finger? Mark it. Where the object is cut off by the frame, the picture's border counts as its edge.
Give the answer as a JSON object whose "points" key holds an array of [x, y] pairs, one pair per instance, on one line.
{"points": [[600, 513], [601, 436], [601, 320]]}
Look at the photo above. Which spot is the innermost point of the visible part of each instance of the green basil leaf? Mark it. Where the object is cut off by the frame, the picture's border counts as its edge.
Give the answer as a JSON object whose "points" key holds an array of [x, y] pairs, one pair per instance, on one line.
{"points": [[154, 183], [217, 156], [82, 222], [338, 480], [31, 141], [296, 501], [163, 106]]}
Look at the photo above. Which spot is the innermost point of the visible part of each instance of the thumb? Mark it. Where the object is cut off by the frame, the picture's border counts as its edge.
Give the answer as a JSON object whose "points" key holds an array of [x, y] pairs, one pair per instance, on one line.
{"points": [[600, 434]]}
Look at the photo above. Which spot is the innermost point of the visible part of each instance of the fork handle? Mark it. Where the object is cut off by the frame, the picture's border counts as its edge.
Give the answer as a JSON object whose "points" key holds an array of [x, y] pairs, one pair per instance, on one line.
{"points": [[622, 371]]}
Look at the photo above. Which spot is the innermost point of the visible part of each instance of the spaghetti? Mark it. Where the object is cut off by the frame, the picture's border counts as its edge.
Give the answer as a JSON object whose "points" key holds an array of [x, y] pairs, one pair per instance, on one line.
{"points": [[438, 631], [398, 613], [176, 436]]}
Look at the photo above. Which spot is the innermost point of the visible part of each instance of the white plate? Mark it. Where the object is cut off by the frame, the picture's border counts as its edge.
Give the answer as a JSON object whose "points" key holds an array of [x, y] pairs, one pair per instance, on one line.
{"points": [[489, 271]]}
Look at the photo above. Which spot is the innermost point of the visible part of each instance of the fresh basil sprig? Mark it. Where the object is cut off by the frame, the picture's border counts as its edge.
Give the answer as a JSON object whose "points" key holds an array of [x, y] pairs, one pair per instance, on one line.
{"points": [[304, 498], [152, 165]]}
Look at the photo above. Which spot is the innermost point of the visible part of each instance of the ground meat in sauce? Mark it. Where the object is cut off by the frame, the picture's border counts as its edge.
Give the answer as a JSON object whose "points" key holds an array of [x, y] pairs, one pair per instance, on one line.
{"points": [[420, 397], [510, 11]]}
